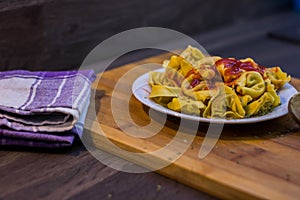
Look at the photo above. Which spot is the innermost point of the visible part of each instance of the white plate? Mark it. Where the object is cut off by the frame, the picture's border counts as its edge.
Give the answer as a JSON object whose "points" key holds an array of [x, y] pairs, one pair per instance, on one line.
{"points": [[141, 91]]}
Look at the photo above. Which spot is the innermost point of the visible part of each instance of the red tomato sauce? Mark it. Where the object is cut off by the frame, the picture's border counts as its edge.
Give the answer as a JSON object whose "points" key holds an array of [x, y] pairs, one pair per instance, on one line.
{"points": [[236, 67]]}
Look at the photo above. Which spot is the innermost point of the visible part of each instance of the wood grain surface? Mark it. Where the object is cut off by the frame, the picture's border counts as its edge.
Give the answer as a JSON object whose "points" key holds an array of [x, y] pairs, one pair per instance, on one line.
{"points": [[249, 161], [74, 173]]}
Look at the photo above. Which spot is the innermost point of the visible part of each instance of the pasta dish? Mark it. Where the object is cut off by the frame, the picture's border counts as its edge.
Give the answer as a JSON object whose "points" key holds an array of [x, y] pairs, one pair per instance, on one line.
{"points": [[215, 87]]}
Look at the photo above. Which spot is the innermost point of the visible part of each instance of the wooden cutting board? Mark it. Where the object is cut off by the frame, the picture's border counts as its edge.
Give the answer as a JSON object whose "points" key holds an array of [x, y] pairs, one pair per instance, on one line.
{"points": [[249, 161]]}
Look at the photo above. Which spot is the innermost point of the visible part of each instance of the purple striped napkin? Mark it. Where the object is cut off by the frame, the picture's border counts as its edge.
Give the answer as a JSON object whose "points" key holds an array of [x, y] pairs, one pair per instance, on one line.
{"points": [[43, 109]]}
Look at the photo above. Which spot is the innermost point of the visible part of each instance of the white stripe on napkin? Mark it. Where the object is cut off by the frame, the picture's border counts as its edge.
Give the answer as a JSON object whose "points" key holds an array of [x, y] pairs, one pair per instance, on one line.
{"points": [[32, 95], [58, 92], [84, 89]]}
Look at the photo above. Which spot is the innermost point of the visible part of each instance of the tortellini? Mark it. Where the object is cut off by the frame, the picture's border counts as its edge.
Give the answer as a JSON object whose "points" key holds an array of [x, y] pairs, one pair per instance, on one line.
{"points": [[215, 87], [226, 104], [260, 106], [163, 94], [186, 105], [277, 77], [200, 92], [250, 83], [192, 55]]}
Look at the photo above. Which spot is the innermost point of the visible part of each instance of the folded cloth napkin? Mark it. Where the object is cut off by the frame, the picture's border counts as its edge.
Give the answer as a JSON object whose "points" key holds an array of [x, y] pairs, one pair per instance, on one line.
{"points": [[43, 109]]}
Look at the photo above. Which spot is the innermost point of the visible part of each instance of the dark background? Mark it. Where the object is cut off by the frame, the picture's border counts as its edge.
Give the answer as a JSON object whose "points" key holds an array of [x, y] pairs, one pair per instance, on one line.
{"points": [[58, 34]]}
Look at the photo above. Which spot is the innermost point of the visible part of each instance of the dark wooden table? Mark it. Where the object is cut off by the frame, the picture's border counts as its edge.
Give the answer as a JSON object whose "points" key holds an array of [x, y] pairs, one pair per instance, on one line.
{"points": [[75, 174]]}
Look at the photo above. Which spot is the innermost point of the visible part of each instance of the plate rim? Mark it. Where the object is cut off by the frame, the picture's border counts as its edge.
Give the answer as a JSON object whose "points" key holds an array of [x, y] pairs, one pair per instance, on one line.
{"points": [[279, 111]]}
